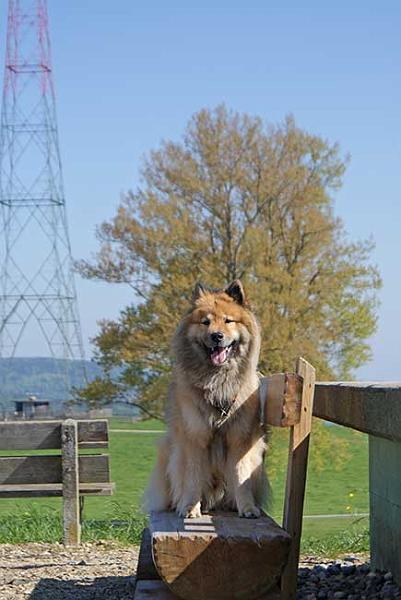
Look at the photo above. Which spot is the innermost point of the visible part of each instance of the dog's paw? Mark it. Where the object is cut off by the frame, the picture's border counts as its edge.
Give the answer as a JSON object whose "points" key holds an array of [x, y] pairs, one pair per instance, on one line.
{"points": [[193, 513], [190, 512], [250, 511]]}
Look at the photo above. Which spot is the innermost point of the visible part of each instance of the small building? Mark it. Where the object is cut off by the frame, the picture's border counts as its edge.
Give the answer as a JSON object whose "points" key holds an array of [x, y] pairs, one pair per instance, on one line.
{"points": [[32, 408]]}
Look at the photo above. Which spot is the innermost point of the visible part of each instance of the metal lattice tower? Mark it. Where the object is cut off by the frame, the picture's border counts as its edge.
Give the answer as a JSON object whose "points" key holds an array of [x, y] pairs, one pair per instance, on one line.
{"points": [[36, 278]]}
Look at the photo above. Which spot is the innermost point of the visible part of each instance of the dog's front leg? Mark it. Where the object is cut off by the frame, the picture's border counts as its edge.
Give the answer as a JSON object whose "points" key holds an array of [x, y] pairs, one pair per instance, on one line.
{"points": [[240, 468], [188, 493], [190, 503]]}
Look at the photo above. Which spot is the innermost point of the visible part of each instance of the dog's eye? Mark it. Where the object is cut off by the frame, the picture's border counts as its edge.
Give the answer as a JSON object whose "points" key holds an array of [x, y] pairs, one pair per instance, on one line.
{"points": [[205, 321], [227, 320]]}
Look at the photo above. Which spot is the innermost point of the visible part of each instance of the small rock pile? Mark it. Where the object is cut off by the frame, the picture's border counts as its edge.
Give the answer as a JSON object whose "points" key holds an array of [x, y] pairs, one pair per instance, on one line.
{"points": [[345, 581]]}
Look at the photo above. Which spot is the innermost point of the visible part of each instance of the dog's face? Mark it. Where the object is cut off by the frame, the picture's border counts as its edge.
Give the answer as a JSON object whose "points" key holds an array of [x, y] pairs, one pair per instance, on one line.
{"points": [[220, 327]]}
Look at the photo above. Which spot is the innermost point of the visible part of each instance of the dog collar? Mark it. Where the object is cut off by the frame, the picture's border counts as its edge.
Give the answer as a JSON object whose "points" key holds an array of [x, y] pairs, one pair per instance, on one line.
{"points": [[224, 410]]}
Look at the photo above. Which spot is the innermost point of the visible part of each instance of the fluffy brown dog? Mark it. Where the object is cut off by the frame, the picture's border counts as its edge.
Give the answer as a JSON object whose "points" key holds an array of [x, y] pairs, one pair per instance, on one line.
{"points": [[212, 454]]}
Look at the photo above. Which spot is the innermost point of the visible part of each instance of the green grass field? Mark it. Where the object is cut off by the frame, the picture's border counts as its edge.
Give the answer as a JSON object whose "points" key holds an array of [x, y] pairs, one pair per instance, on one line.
{"points": [[337, 484], [125, 423]]}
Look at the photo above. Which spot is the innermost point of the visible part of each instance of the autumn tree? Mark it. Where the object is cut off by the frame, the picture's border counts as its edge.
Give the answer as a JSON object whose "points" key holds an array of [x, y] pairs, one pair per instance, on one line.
{"points": [[235, 198]]}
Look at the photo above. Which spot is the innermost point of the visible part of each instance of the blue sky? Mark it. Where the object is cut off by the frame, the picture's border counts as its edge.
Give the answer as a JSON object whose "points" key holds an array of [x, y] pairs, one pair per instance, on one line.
{"points": [[130, 73]]}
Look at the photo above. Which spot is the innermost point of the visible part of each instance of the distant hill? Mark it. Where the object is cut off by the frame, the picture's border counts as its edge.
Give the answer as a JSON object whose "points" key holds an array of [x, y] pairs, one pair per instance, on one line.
{"points": [[43, 377]]}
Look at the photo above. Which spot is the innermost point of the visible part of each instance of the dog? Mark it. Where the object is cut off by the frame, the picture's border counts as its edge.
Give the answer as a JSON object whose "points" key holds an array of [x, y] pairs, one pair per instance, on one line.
{"points": [[212, 454]]}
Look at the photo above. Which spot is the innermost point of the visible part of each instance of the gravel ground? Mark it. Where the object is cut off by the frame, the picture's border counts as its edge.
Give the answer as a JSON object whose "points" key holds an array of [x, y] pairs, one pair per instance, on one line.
{"points": [[103, 570], [50, 571], [347, 579]]}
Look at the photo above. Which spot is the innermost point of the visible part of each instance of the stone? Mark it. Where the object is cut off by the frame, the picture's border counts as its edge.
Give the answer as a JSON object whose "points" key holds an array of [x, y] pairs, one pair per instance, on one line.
{"points": [[351, 558], [346, 582], [365, 568], [303, 572]]}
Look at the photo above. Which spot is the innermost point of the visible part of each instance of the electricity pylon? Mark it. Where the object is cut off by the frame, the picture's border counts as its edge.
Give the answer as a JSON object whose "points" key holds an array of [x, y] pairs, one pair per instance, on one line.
{"points": [[37, 288]]}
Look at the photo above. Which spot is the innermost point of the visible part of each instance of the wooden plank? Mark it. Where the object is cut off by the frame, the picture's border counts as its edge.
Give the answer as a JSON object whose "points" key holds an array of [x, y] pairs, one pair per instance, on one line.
{"points": [[373, 408], [94, 468], [47, 469], [39, 490], [296, 479], [283, 395], [92, 445], [303, 428], [32, 435], [385, 505], [70, 478], [219, 555], [93, 433]]}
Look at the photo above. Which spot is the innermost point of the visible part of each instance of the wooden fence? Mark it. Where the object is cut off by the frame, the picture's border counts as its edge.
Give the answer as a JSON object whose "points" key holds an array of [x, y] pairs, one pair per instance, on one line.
{"points": [[375, 409]]}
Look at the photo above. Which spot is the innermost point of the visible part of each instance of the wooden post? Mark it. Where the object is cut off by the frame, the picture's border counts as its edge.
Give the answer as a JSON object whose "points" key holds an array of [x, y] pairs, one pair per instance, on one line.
{"points": [[385, 505], [69, 451], [296, 479], [281, 398]]}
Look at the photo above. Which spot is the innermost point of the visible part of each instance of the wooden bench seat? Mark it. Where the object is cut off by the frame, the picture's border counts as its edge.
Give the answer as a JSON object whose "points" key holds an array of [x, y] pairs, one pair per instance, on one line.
{"points": [[218, 553]]}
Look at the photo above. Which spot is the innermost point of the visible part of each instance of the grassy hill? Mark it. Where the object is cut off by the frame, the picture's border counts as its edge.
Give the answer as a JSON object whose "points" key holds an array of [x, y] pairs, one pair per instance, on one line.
{"points": [[43, 377]]}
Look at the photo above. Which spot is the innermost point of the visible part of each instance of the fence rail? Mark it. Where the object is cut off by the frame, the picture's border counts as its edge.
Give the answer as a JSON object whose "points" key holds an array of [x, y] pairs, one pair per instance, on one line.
{"points": [[373, 408]]}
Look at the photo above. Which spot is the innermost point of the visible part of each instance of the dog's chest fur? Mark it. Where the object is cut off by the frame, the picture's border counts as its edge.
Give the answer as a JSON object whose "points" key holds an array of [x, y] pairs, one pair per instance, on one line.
{"points": [[217, 396]]}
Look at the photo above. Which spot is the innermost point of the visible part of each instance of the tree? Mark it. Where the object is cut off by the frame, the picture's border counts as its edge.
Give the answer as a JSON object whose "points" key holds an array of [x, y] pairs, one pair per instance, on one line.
{"points": [[234, 199]]}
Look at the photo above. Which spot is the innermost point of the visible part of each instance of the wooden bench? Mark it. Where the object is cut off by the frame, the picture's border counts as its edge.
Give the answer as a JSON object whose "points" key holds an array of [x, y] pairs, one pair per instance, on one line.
{"points": [[68, 474], [221, 556]]}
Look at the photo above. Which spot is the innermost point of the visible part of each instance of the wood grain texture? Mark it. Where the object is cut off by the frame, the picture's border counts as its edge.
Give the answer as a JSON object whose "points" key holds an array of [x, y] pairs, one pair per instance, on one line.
{"points": [[219, 556], [42, 490], [48, 469], [296, 479], [385, 505], [373, 408], [70, 478], [283, 397], [32, 435]]}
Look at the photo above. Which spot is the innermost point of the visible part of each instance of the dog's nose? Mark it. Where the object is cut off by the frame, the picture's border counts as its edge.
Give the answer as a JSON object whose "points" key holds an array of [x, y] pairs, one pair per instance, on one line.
{"points": [[217, 336]]}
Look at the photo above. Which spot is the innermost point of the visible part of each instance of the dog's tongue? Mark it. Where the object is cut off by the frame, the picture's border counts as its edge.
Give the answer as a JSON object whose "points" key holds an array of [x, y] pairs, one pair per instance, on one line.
{"points": [[219, 355]]}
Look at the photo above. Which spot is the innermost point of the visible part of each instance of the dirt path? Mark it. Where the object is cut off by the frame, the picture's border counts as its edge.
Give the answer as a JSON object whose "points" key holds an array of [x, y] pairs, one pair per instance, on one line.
{"points": [[50, 571]]}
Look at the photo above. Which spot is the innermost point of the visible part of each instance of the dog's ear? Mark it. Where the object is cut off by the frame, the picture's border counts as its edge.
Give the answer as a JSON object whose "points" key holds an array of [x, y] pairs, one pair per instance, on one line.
{"points": [[236, 291], [198, 291]]}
